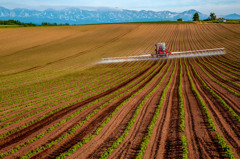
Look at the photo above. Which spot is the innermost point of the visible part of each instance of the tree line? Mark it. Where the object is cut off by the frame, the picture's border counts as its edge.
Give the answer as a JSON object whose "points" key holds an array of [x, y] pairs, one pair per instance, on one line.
{"points": [[16, 22], [212, 16]]}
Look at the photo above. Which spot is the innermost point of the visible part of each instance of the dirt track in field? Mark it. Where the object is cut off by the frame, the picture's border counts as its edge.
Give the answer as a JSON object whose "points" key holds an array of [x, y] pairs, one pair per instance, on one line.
{"points": [[220, 74]]}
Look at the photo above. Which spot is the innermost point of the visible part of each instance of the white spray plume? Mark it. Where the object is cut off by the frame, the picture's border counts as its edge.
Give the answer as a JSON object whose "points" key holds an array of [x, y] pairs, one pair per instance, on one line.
{"points": [[185, 54]]}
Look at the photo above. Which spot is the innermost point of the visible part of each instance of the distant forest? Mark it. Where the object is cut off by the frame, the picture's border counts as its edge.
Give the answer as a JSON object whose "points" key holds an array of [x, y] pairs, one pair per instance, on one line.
{"points": [[16, 22]]}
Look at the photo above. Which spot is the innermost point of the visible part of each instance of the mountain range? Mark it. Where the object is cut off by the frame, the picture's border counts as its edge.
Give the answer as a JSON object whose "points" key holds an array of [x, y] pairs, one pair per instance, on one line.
{"points": [[97, 15]]}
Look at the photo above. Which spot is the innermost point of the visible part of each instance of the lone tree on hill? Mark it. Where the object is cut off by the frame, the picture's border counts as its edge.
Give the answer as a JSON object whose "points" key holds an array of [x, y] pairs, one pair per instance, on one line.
{"points": [[196, 17], [212, 16]]}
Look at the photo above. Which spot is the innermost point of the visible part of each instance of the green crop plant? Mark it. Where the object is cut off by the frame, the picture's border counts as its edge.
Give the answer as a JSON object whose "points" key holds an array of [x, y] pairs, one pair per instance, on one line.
{"points": [[184, 142], [216, 81], [223, 77], [210, 120], [146, 139], [217, 68], [62, 86], [222, 63], [78, 145], [72, 131], [216, 95], [52, 112], [227, 149], [182, 124], [106, 81]]}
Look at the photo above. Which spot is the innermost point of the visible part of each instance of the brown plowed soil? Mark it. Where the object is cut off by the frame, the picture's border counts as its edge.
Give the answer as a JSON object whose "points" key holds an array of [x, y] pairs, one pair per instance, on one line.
{"points": [[118, 124], [231, 99], [131, 146], [50, 61], [222, 68], [228, 84], [73, 98], [23, 133], [173, 147], [234, 78], [202, 141], [228, 124], [91, 125]]}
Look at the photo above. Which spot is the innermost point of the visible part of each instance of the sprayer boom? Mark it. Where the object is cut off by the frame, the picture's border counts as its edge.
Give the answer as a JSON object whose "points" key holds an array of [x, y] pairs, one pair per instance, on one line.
{"points": [[216, 50], [162, 52]]}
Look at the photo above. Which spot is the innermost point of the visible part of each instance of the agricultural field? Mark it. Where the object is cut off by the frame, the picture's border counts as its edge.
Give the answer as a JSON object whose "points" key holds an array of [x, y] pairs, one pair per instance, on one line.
{"points": [[57, 101]]}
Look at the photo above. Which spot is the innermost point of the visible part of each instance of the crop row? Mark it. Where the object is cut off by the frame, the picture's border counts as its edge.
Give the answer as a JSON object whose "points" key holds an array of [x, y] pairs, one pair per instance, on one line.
{"points": [[231, 60], [221, 140], [53, 104], [222, 77], [227, 149], [220, 58], [216, 95], [222, 66], [222, 63], [182, 123], [131, 85], [54, 111], [75, 88], [210, 120], [41, 91], [72, 91], [146, 139], [72, 81], [85, 140], [73, 130], [206, 42], [37, 89], [216, 81], [221, 70], [184, 140], [54, 78]]}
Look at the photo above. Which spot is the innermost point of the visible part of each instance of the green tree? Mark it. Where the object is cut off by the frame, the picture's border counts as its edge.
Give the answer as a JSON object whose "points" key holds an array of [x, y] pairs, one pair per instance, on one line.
{"points": [[212, 16], [180, 20], [196, 17]]}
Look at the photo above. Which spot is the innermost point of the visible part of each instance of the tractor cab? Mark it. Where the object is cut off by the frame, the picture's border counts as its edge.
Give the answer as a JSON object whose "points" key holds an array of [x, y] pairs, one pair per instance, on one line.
{"points": [[161, 50]]}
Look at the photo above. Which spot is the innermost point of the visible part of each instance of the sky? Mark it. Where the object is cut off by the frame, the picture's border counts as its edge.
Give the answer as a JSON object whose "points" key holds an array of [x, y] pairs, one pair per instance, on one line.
{"points": [[219, 7]]}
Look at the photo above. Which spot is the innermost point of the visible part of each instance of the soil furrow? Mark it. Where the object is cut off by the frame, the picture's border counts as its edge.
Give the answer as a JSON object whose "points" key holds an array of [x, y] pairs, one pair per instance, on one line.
{"points": [[15, 137], [159, 135], [228, 125], [197, 126], [139, 129], [75, 55], [228, 97], [231, 85], [67, 126], [115, 127], [92, 126], [173, 145], [114, 135]]}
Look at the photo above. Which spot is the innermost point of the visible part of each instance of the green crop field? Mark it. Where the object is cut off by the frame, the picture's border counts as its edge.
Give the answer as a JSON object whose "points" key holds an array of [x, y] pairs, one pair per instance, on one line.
{"points": [[58, 101]]}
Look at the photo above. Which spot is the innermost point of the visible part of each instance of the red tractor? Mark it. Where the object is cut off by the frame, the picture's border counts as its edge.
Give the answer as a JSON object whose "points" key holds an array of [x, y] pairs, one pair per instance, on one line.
{"points": [[161, 50]]}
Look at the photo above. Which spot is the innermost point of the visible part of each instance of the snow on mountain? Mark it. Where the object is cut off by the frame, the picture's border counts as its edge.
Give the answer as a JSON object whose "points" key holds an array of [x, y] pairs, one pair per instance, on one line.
{"points": [[93, 16]]}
